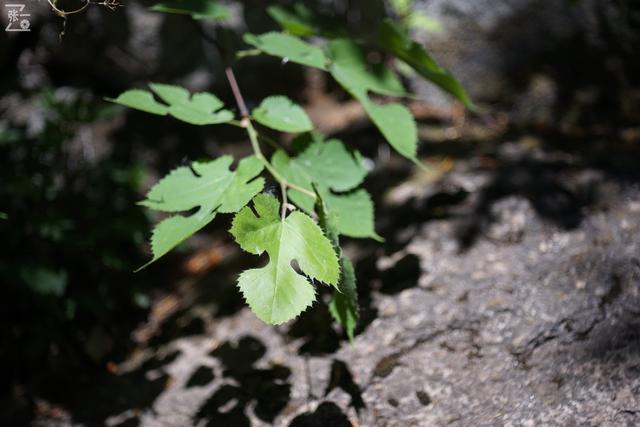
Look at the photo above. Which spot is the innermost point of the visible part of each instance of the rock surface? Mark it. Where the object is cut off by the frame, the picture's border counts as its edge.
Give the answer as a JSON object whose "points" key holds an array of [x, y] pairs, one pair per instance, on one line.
{"points": [[501, 301], [514, 52]]}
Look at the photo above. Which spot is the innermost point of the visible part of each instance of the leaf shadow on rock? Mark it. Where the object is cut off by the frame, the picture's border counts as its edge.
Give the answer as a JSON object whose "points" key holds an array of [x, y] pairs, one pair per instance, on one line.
{"points": [[314, 328], [90, 399], [342, 378], [267, 391], [327, 414], [180, 324], [558, 186], [201, 377], [540, 182]]}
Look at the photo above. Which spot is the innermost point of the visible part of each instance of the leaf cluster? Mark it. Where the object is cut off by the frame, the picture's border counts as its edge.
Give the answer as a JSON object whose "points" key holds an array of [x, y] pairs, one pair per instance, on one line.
{"points": [[322, 198]]}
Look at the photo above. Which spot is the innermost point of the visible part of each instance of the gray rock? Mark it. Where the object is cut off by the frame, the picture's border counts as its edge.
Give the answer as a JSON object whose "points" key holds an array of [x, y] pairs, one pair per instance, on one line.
{"points": [[492, 46], [534, 324]]}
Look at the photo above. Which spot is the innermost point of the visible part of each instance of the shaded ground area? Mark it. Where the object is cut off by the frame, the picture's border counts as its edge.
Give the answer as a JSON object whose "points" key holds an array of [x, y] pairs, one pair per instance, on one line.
{"points": [[507, 293]]}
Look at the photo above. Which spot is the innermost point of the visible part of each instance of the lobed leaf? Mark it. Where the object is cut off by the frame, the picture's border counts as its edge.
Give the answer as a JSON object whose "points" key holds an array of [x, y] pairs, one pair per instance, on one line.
{"points": [[209, 187], [198, 9], [197, 109], [280, 113], [276, 293], [289, 47]]}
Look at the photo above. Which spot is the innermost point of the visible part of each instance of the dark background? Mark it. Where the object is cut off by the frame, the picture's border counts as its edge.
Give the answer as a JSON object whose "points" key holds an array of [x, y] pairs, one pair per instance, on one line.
{"points": [[72, 166]]}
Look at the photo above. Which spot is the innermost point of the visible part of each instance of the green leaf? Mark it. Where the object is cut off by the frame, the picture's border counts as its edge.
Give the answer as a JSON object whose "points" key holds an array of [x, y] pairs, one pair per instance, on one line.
{"points": [[301, 21], [402, 7], [334, 169], [344, 303], [276, 292], [198, 9], [424, 22], [355, 213], [4, 215], [396, 41], [200, 109], [396, 123], [330, 162], [297, 20], [208, 186], [351, 65], [290, 48], [141, 100], [280, 113]]}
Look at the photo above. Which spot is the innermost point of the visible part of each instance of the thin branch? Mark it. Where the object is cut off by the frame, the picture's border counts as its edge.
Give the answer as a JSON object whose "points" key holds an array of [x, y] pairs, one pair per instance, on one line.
{"points": [[261, 136], [253, 134], [244, 111], [231, 78], [63, 13], [111, 4]]}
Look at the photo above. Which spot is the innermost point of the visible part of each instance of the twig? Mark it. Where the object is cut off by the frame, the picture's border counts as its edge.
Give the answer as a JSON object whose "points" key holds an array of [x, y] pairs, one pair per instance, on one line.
{"points": [[272, 142], [63, 13], [244, 111], [111, 4], [253, 137], [246, 123]]}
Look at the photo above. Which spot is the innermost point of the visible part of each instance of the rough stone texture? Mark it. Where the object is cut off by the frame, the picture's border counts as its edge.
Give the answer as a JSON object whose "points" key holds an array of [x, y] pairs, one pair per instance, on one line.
{"points": [[505, 50], [483, 41], [532, 321]]}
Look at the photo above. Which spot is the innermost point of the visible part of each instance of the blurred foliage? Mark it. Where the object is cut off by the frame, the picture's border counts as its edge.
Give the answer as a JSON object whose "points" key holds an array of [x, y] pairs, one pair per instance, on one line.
{"points": [[70, 234], [415, 19]]}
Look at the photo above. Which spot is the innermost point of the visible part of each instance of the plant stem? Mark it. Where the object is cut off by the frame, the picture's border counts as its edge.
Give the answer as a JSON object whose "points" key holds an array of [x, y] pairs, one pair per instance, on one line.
{"points": [[272, 142], [253, 137], [244, 111], [246, 123]]}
